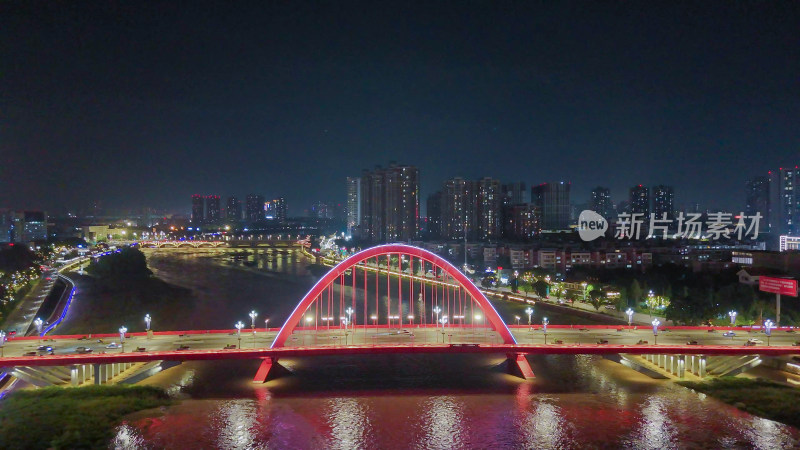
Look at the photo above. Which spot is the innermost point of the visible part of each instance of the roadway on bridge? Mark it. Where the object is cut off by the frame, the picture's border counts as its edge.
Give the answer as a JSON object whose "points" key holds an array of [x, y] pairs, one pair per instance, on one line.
{"points": [[408, 336]]}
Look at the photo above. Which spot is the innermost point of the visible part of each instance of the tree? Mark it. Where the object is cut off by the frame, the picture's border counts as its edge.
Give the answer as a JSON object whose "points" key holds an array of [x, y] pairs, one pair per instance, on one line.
{"points": [[541, 288], [596, 298], [635, 292], [527, 288]]}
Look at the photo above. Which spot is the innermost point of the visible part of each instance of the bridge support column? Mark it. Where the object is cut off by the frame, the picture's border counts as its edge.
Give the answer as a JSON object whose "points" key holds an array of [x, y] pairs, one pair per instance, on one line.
{"points": [[701, 370], [268, 370], [681, 366], [518, 365], [99, 373], [74, 375]]}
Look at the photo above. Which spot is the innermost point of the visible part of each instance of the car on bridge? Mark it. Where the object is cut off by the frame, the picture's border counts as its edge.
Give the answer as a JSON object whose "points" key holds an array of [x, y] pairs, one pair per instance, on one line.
{"points": [[112, 345], [83, 350], [729, 334], [692, 342]]}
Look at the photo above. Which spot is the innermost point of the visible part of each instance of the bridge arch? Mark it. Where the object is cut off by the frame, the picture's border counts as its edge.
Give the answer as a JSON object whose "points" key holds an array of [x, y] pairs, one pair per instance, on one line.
{"points": [[491, 316]]}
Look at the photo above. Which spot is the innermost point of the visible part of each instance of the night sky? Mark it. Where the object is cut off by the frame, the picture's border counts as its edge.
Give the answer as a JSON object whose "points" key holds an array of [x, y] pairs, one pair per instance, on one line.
{"points": [[135, 104]]}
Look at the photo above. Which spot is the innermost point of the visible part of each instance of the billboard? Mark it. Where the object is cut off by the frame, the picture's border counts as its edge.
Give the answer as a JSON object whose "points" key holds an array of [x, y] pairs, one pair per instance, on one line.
{"points": [[783, 286]]}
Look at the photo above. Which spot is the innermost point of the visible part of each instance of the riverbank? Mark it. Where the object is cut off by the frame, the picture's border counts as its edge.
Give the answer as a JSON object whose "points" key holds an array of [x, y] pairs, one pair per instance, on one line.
{"points": [[756, 396], [83, 417]]}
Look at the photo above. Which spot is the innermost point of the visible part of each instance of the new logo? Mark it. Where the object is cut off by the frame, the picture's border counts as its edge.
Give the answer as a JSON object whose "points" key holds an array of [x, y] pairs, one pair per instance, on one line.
{"points": [[591, 225]]}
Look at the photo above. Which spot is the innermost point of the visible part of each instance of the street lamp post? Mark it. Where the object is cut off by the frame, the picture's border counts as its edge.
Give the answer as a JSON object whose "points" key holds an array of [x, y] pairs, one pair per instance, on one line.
{"points": [[768, 329], [517, 318], [650, 296], [656, 323], [732, 315], [38, 322], [122, 331], [443, 321], [529, 312], [349, 312], [239, 325], [2, 342], [266, 324], [253, 316], [147, 320], [629, 312], [544, 328], [585, 285], [436, 311]]}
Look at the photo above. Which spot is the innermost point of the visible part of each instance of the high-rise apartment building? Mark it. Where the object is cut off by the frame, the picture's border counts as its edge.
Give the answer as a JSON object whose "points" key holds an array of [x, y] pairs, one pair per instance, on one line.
{"points": [[600, 202], [458, 209], [276, 209], [353, 203], [233, 210], [521, 222], [434, 211], [514, 193], [390, 204], [198, 208], [663, 201], [488, 209], [757, 200], [254, 207], [213, 209], [640, 200], [552, 200]]}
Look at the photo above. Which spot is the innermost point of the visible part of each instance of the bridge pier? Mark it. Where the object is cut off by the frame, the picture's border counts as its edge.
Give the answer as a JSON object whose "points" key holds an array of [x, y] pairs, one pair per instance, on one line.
{"points": [[518, 365], [268, 370]]}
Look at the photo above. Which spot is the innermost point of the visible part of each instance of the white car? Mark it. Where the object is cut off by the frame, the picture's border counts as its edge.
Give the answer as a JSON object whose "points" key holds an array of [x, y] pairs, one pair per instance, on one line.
{"points": [[112, 345], [729, 334], [755, 341]]}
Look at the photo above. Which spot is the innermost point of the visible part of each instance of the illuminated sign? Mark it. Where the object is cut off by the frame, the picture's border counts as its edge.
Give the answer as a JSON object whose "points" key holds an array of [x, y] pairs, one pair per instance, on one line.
{"points": [[783, 286]]}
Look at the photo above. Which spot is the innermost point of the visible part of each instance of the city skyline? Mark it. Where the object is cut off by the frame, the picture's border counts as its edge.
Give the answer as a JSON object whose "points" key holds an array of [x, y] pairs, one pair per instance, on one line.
{"points": [[525, 92]]}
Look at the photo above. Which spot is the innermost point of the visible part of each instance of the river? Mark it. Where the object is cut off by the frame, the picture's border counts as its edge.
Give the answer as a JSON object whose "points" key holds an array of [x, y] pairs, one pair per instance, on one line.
{"points": [[387, 402]]}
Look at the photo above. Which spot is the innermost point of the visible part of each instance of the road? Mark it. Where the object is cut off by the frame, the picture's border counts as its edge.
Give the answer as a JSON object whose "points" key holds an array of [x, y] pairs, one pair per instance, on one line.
{"points": [[383, 336], [23, 315]]}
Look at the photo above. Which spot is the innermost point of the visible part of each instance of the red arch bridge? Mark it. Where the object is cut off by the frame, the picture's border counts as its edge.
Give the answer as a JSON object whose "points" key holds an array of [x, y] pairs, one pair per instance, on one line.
{"points": [[394, 299]]}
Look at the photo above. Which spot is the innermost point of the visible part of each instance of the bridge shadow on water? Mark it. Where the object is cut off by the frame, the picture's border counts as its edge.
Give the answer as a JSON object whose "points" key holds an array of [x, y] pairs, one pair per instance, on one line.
{"points": [[415, 374]]}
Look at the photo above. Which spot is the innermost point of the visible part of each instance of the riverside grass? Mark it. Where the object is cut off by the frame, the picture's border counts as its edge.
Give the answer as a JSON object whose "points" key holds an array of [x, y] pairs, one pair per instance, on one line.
{"points": [[71, 418], [759, 397]]}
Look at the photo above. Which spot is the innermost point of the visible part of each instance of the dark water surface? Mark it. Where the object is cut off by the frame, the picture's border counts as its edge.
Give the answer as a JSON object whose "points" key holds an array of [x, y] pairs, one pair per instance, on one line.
{"points": [[413, 401]]}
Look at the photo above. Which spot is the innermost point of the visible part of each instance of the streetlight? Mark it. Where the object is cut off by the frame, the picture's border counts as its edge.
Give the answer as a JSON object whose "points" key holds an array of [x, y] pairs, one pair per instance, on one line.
{"points": [[2, 342], [147, 322], [650, 296], [122, 331], [349, 312], [544, 327], [517, 317], [768, 329], [345, 321], [374, 320], [529, 312], [410, 318], [732, 315], [253, 316], [656, 323], [38, 322], [436, 311], [585, 285], [239, 325], [443, 321], [266, 324], [629, 312]]}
